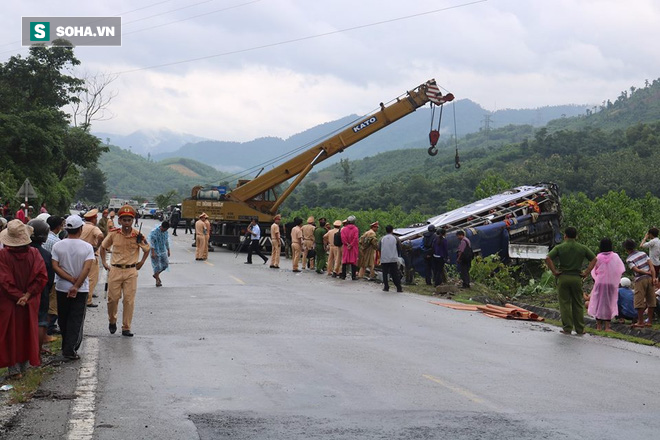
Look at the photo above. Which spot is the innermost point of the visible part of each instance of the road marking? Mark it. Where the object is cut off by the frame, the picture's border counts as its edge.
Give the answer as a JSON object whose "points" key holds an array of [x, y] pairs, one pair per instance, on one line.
{"points": [[462, 391], [81, 423], [238, 280]]}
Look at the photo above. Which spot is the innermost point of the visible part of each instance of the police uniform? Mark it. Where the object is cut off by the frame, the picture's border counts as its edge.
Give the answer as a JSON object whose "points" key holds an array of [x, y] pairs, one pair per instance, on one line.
{"points": [[308, 241], [276, 247], [123, 272], [92, 234]]}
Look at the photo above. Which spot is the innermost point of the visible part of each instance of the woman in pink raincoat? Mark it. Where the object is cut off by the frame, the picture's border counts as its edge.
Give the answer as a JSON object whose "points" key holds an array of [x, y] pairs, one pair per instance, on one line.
{"points": [[349, 237], [606, 274]]}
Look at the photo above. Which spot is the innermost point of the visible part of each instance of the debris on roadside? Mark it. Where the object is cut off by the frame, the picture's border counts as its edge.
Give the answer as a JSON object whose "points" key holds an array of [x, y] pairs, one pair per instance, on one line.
{"points": [[508, 311]]}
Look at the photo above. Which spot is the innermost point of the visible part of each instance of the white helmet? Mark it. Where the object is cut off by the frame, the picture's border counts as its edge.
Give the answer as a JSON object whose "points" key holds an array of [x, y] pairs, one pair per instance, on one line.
{"points": [[625, 282]]}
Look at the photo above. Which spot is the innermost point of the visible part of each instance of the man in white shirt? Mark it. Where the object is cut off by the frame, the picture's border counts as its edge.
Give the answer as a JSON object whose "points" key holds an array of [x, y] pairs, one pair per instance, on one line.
{"points": [[72, 261], [255, 247], [653, 245]]}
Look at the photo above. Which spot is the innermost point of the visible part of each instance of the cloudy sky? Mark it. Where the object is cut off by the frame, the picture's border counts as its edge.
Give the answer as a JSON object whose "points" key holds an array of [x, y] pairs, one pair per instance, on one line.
{"points": [[240, 69]]}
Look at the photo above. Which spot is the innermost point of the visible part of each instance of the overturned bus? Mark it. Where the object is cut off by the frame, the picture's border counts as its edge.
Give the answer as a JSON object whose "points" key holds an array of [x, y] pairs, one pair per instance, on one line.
{"points": [[520, 223]]}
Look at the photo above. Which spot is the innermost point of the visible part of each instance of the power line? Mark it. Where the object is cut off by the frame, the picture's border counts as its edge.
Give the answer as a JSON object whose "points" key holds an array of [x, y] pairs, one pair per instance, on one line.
{"points": [[295, 40]]}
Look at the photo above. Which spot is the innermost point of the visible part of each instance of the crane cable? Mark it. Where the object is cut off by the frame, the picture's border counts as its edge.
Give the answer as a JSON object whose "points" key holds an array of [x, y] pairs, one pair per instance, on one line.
{"points": [[457, 161]]}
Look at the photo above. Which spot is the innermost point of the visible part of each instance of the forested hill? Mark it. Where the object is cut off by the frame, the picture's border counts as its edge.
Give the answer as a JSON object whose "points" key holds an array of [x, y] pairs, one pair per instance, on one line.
{"points": [[130, 174], [591, 158]]}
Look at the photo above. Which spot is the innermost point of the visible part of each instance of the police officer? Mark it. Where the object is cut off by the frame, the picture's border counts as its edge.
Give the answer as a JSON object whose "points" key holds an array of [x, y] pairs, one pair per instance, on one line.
{"points": [[125, 243], [93, 235]]}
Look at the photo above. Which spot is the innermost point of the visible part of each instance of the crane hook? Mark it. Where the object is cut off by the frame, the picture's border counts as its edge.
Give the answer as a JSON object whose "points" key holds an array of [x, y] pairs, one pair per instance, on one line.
{"points": [[457, 163], [432, 151]]}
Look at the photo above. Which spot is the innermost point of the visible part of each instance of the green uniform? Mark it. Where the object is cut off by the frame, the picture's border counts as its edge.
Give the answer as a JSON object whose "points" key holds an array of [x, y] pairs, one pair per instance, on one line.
{"points": [[570, 256], [321, 255]]}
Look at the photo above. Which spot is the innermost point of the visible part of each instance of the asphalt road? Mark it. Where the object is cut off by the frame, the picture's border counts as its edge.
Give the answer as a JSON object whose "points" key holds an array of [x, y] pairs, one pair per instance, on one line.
{"points": [[236, 351]]}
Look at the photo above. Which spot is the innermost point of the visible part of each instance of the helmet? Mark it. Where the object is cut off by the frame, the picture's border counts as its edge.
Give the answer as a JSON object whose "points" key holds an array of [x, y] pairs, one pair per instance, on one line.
{"points": [[40, 230], [625, 282], [350, 219]]}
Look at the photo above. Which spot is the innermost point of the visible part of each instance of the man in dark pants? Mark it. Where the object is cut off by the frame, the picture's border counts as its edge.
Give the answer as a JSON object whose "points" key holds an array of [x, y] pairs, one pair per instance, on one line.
{"points": [[571, 256], [72, 260], [462, 262], [255, 247], [390, 249], [174, 219]]}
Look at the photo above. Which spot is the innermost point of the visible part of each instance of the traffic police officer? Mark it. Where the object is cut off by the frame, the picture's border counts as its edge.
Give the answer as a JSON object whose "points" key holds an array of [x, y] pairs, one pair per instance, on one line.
{"points": [[126, 243]]}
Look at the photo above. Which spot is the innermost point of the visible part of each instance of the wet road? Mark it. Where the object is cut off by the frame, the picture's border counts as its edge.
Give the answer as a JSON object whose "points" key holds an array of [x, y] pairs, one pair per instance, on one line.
{"points": [[236, 351]]}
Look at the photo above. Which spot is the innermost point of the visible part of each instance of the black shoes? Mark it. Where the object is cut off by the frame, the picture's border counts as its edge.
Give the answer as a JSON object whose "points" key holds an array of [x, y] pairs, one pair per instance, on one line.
{"points": [[248, 262], [127, 333], [112, 328], [265, 261], [295, 270], [92, 305], [399, 290]]}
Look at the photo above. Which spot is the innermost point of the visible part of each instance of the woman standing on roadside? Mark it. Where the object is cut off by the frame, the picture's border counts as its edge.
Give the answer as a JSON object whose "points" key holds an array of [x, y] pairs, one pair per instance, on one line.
{"points": [[606, 274]]}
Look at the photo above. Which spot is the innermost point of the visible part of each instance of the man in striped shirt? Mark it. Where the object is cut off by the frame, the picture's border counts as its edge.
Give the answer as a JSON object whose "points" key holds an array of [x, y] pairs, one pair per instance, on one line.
{"points": [[641, 266]]}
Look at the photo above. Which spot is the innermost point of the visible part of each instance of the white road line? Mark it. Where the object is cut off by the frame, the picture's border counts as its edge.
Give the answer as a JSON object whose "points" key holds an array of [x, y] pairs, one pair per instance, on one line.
{"points": [[82, 420]]}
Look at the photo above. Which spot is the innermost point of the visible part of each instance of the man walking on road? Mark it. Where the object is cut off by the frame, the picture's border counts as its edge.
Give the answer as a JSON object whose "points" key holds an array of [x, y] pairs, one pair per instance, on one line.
{"points": [[255, 247], [275, 242], [73, 258], [390, 249], [125, 244], [160, 250], [571, 256]]}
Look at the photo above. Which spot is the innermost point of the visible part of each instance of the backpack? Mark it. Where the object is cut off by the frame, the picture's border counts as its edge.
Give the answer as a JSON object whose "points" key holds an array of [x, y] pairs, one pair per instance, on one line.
{"points": [[468, 254], [336, 239], [427, 244]]}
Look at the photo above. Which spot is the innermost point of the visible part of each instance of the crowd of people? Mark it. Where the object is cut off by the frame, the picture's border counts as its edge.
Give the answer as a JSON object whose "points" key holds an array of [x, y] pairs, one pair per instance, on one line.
{"points": [[50, 267], [49, 270]]}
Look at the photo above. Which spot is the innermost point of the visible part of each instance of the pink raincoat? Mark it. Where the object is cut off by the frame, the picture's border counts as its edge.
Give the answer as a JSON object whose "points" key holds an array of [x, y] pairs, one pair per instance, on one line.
{"points": [[606, 274], [349, 236]]}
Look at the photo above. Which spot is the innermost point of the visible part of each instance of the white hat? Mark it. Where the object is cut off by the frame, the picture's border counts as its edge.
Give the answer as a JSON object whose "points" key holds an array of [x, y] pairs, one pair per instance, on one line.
{"points": [[625, 282], [43, 216], [73, 222]]}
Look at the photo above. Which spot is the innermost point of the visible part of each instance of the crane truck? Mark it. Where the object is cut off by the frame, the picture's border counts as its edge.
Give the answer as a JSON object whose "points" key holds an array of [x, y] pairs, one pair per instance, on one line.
{"points": [[230, 212]]}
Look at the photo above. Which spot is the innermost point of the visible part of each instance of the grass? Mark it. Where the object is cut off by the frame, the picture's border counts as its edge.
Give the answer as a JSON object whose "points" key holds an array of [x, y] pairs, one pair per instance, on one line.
{"points": [[548, 300], [26, 386]]}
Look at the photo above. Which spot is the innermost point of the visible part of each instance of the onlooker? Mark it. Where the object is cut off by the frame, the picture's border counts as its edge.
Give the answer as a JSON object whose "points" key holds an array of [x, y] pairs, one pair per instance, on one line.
{"points": [[202, 234], [111, 220], [296, 242], [6, 211], [275, 242], [334, 246], [20, 214], [440, 257], [40, 232], [94, 236], [349, 238], [428, 241], [653, 245], [103, 223], [367, 254], [22, 278], [626, 303], [73, 258], [56, 225], [43, 208], [175, 218], [288, 227], [160, 250], [571, 256], [125, 244], [464, 258], [390, 250], [308, 243], [604, 295], [644, 272], [189, 227], [255, 246], [321, 255]]}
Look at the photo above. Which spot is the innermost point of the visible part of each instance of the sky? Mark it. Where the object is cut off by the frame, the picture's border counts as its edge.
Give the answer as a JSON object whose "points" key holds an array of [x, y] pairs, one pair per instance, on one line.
{"points": [[235, 70]]}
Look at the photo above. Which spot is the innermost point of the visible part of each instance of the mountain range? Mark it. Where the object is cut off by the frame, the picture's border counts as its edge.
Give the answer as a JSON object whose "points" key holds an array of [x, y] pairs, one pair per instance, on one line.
{"points": [[409, 132]]}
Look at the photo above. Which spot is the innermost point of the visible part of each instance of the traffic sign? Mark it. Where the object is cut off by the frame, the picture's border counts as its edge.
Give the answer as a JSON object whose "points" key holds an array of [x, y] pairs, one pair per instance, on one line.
{"points": [[27, 191]]}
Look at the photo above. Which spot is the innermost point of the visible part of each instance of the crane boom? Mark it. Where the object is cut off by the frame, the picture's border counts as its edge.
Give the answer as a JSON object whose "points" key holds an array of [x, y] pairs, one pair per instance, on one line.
{"points": [[302, 164]]}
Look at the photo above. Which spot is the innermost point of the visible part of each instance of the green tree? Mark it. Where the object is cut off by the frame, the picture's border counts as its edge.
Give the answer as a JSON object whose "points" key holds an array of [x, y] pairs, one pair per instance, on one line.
{"points": [[94, 188], [491, 185], [164, 200]]}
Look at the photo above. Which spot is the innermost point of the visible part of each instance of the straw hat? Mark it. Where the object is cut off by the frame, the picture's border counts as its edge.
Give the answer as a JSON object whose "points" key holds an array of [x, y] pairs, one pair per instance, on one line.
{"points": [[17, 234]]}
